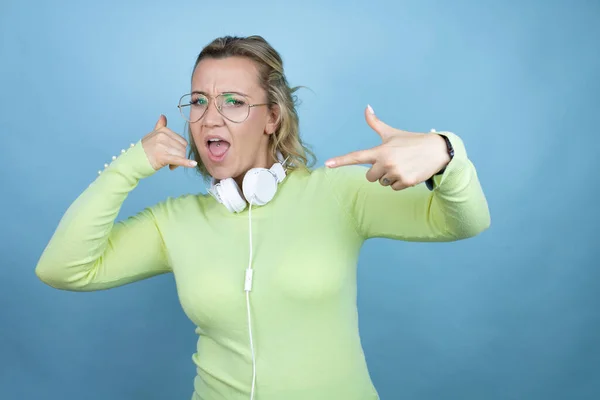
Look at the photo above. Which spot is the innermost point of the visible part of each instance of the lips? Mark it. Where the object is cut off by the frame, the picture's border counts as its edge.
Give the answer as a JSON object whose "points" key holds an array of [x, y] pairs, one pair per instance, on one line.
{"points": [[217, 148]]}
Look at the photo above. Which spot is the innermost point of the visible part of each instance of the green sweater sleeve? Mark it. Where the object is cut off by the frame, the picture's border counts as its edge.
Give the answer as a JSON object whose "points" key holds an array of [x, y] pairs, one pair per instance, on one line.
{"points": [[89, 251], [455, 209]]}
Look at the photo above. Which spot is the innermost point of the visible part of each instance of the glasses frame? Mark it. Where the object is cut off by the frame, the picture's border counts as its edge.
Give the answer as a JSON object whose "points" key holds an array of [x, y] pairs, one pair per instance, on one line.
{"points": [[211, 101]]}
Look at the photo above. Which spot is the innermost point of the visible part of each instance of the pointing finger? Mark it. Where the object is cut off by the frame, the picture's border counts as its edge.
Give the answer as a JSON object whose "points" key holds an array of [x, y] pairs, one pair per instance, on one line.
{"points": [[354, 158]]}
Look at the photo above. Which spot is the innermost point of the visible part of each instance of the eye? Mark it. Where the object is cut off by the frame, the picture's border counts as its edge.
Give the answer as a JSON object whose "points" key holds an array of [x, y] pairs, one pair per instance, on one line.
{"points": [[198, 100], [233, 100]]}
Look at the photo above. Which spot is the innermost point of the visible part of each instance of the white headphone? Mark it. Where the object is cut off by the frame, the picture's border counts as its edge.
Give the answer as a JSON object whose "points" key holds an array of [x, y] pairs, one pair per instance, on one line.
{"points": [[259, 187]]}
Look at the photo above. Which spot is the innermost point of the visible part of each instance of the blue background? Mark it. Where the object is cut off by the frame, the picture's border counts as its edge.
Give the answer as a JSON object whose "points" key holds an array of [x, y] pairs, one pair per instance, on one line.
{"points": [[510, 314]]}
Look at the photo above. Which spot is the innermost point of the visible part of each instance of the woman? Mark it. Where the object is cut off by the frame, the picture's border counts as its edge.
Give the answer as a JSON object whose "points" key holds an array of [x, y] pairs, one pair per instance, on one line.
{"points": [[265, 264]]}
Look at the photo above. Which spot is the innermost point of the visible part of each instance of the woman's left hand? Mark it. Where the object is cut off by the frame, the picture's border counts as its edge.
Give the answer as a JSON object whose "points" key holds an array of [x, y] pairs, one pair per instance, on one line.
{"points": [[404, 158]]}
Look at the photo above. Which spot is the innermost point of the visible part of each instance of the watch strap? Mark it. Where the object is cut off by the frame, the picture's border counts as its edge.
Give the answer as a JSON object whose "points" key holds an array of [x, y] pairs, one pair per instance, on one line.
{"points": [[450, 149]]}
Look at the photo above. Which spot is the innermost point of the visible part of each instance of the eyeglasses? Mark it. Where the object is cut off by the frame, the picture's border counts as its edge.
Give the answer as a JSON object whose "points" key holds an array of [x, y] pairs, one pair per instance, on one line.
{"points": [[233, 106]]}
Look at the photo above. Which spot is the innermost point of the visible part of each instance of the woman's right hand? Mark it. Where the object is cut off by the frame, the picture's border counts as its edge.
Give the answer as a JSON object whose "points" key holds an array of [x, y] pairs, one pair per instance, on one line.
{"points": [[165, 147]]}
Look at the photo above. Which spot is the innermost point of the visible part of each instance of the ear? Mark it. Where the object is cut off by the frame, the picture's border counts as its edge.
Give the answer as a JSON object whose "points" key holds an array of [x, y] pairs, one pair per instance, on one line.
{"points": [[273, 119]]}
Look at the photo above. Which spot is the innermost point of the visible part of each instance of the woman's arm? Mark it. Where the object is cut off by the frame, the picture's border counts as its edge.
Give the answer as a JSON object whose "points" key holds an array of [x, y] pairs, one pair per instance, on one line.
{"points": [[455, 209], [89, 251]]}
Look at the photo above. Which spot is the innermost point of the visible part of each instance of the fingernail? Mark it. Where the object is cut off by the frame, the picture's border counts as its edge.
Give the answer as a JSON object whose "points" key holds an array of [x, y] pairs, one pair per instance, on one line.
{"points": [[193, 163], [330, 163], [370, 109]]}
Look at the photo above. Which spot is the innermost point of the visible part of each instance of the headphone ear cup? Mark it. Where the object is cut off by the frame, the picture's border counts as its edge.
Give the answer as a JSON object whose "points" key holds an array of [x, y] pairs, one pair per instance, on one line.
{"points": [[231, 195], [259, 186]]}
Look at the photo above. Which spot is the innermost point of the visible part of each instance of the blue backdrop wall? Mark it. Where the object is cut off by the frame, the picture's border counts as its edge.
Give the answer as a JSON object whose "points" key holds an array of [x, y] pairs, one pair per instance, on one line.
{"points": [[510, 314]]}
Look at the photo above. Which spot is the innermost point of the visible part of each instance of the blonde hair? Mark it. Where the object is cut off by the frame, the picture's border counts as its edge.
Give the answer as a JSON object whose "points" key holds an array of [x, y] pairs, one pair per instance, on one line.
{"points": [[286, 138]]}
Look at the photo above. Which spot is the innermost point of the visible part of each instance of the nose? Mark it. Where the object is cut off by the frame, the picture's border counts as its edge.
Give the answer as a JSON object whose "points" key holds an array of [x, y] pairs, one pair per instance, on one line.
{"points": [[212, 117]]}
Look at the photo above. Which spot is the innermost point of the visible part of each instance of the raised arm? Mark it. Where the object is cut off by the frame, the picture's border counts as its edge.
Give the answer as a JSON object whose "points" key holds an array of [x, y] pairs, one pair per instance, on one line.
{"points": [[403, 207], [89, 250]]}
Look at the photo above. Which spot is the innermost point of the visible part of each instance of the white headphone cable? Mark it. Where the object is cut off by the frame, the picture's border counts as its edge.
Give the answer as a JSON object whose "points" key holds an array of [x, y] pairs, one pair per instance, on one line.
{"points": [[248, 288]]}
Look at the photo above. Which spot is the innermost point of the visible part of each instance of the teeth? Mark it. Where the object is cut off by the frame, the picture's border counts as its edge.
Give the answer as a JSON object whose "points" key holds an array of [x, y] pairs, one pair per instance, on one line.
{"points": [[218, 141]]}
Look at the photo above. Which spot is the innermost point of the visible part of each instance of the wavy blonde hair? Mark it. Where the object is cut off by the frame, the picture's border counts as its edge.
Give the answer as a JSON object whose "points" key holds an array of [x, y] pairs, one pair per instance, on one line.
{"points": [[286, 138]]}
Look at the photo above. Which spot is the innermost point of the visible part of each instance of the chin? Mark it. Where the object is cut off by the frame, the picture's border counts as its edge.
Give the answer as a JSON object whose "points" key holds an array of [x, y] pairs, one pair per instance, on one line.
{"points": [[219, 174], [221, 170]]}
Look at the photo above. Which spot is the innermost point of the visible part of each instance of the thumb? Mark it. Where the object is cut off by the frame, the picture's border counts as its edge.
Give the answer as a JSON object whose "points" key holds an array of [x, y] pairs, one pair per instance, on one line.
{"points": [[161, 123], [382, 129]]}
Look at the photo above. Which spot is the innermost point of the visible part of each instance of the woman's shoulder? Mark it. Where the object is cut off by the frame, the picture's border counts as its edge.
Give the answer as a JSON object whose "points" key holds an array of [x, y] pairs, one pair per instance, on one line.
{"points": [[346, 176], [329, 181], [338, 179], [324, 173], [183, 204]]}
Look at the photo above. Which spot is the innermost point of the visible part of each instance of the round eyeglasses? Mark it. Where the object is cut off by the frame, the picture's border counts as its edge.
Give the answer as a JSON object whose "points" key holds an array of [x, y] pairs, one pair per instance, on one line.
{"points": [[233, 106]]}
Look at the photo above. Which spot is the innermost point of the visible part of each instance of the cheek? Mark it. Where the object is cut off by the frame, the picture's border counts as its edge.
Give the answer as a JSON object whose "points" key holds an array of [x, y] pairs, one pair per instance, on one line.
{"points": [[254, 127], [247, 133], [197, 141]]}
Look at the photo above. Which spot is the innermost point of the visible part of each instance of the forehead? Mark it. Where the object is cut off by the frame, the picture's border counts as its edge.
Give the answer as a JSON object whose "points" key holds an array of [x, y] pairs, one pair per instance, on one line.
{"points": [[215, 76]]}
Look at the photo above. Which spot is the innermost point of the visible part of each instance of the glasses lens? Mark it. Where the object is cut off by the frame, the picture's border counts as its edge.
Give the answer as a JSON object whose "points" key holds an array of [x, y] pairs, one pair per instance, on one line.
{"points": [[233, 106], [193, 106]]}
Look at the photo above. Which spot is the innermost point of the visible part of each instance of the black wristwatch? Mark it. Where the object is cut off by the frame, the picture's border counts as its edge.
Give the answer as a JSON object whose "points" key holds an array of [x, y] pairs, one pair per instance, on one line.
{"points": [[429, 182]]}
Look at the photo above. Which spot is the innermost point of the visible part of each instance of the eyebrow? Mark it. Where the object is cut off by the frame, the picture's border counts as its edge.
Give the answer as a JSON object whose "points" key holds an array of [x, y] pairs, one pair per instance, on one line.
{"points": [[226, 92]]}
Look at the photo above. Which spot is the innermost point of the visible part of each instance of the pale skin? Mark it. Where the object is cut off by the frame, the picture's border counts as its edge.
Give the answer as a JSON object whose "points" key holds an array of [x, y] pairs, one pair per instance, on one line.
{"points": [[248, 139], [404, 158]]}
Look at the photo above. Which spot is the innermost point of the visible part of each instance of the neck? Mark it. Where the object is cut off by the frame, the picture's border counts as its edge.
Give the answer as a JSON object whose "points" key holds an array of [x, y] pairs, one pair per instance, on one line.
{"points": [[239, 180]]}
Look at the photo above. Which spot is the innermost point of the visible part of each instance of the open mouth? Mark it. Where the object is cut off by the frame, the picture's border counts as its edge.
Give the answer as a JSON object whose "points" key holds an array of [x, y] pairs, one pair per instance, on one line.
{"points": [[217, 148]]}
